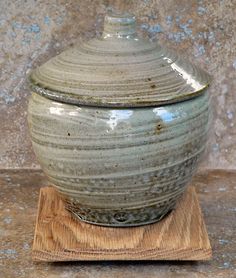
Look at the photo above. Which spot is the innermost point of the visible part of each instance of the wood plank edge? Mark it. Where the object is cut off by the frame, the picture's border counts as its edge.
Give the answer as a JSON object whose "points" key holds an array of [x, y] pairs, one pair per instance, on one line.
{"points": [[60, 256], [37, 218], [204, 228]]}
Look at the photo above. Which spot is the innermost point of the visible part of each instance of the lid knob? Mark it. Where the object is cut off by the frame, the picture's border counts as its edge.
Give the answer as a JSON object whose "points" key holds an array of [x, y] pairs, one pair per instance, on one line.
{"points": [[119, 25]]}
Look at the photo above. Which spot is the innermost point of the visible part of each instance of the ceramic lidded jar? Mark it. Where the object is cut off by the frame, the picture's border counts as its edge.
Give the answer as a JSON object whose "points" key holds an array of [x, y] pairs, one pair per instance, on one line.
{"points": [[118, 125]]}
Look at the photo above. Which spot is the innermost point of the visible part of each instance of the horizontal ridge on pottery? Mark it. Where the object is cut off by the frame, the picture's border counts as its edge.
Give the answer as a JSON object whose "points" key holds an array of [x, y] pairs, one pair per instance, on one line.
{"points": [[118, 69], [119, 167]]}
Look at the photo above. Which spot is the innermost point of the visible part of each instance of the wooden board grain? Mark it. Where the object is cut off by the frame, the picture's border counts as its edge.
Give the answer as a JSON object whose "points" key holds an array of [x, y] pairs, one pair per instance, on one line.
{"points": [[58, 236]]}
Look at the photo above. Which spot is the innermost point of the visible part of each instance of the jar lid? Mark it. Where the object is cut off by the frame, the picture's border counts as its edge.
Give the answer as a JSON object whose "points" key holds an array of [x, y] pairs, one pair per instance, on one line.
{"points": [[119, 69]]}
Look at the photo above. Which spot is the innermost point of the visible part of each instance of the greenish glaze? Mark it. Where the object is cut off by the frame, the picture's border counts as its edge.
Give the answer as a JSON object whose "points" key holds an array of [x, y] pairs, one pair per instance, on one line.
{"points": [[119, 69], [119, 167], [118, 124]]}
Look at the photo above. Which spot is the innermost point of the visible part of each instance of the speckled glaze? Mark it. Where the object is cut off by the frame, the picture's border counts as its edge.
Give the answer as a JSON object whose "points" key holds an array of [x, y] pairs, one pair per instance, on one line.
{"points": [[119, 70], [121, 143]]}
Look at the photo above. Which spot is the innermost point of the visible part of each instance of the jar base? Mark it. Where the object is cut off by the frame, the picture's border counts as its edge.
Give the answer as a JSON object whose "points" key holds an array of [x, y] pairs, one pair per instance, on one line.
{"points": [[112, 225], [120, 218]]}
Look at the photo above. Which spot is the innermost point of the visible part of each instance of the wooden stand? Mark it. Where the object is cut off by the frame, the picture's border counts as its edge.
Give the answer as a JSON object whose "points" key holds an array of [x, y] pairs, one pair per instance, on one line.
{"points": [[58, 236]]}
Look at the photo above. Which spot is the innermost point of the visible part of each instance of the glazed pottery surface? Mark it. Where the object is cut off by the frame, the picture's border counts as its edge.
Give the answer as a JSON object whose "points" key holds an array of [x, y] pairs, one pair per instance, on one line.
{"points": [[119, 166], [119, 131], [119, 69]]}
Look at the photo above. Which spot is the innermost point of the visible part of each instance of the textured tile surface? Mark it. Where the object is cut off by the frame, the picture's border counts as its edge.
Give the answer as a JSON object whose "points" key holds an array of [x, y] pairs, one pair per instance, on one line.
{"points": [[33, 31], [18, 207]]}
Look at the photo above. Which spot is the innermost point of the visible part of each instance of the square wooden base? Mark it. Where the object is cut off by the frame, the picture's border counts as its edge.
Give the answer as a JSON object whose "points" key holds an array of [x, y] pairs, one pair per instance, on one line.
{"points": [[181, 235]]}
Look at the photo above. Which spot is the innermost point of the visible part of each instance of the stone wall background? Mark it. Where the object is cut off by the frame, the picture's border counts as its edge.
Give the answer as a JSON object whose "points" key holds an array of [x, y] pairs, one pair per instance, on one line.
{"points": [[33, 31]]}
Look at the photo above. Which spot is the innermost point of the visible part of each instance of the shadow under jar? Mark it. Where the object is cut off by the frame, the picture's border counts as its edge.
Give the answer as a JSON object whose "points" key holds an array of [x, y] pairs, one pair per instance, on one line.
{"points": [[118, 125]]}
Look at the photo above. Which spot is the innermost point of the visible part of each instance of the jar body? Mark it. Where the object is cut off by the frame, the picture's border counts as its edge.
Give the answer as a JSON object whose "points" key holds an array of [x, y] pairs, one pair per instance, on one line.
{"points": [[119, 167]]}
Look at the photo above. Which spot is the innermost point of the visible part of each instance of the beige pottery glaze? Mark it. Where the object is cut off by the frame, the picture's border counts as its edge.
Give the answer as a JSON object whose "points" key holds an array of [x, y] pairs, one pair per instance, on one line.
{"points": [[118, 125]]}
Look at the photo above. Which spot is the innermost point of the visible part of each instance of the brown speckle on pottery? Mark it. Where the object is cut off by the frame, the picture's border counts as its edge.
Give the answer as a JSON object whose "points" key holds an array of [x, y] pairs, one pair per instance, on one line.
{"points": [[118, 124]]}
